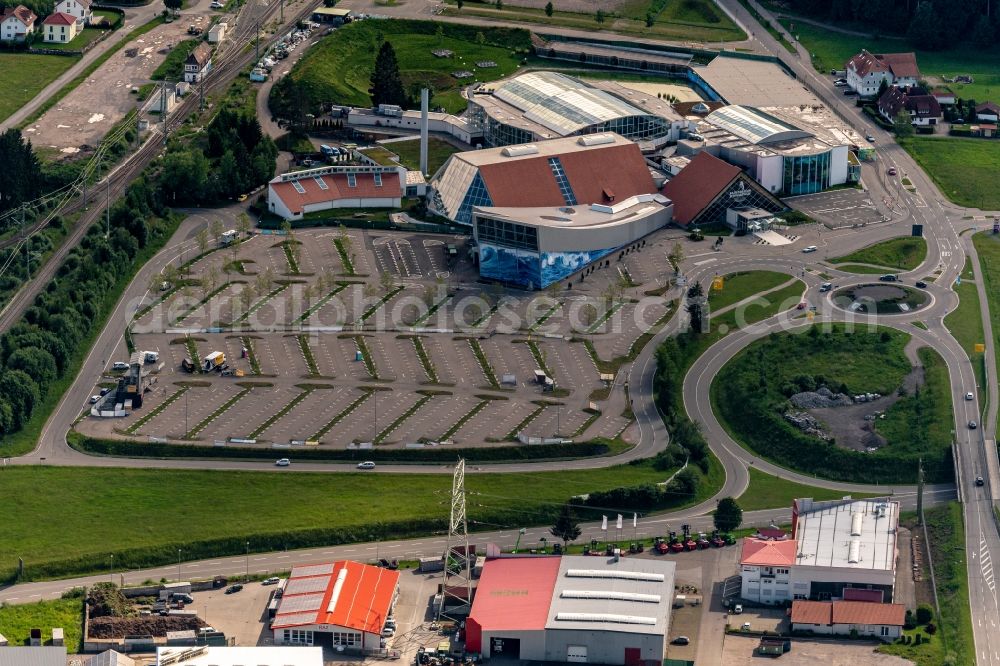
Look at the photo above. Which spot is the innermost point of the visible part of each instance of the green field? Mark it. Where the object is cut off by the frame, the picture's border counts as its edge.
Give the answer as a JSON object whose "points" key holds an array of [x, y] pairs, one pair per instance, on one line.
{"points": [[831, 50], [771, 492], [964, 169], [904, 253], [861, 270], [172, 67], [339, 67], [771, 369], [988, 249], [409, 153], [966, 323], [737, 286], [688, 20], [148, 514], [23, 75], [18, 621]]}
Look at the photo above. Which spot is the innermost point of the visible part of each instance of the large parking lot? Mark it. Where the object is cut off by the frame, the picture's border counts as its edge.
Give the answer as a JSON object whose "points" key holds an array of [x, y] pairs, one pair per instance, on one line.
{"points": [[846, 207], [336, 337]]}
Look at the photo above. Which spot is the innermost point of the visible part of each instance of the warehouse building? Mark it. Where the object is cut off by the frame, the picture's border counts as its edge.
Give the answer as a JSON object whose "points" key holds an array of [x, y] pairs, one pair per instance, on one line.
{"points": [[841, 549], [842, 618], [342, 603], [548, 105], [293, 195], [573, 609], [572, 171]]}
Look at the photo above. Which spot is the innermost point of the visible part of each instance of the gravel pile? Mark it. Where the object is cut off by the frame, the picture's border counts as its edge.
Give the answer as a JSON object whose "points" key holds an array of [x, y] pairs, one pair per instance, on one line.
{"points": [[807, 424], [820, 399]]}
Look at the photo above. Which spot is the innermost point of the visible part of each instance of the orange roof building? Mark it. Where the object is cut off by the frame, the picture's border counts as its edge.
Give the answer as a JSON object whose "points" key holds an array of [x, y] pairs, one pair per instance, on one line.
{"points": [[295, 194], [884, 621], [348, 600]]}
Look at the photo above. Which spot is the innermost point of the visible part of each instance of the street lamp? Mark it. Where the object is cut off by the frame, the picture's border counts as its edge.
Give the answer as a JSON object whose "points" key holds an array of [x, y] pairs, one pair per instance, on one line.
{"points": [[112, 568], [247, 578], [178, 565], [517, 543]]}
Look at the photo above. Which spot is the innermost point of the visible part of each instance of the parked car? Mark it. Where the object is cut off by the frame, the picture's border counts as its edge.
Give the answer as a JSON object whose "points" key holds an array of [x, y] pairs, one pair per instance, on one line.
{"points": [[368, 464], [969, 396], [164, 286], [681, 640], [825, 287], [811, 248], [850, 92], [388, 632], [891, 171], [870, 138], [120, 365], [105, 391], [921, 284], [738, 609], [233, 589], [801, 306], [889, 277], [217, 5], [973, 425], [282, 462], [979, 481], [94, 399], [840, 83], [273, 580]]}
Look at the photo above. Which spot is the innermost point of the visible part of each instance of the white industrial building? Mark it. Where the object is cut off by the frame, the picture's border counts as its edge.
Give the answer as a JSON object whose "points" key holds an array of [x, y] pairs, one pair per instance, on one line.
{"points": [[573, 609], [343, 603], [397, 119], [836, 550], [239, 656]]}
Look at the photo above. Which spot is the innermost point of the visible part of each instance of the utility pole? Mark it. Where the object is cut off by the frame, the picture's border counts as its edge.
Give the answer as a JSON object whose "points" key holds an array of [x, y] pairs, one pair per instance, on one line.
{"points": [[107, 209], [283, 10], [257, 43], [201, 95], [27, 249], [163, 109], [920, 491]]}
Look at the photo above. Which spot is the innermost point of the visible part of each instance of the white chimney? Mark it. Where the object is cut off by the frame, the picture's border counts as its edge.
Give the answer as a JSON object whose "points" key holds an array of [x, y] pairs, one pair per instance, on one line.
{"points": [[424, 104]]}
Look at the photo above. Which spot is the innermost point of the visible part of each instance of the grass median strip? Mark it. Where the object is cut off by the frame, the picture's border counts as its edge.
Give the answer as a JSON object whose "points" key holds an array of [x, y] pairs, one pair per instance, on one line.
{"points": [[215, 292], [512, 435], [382, 301], [307, 354], [401, 418], [293, 264], [342, 415], [484, 363], [306, 390], [430, 311], [545, 317], [345, 258], [256, 306], [606, 316], [366, 355], [485, 316], [539, 357], [251, 354], [456, 426], [425, 359], [321, 302], [192, 348], [149, 416], [201, 425], [988, 249]]}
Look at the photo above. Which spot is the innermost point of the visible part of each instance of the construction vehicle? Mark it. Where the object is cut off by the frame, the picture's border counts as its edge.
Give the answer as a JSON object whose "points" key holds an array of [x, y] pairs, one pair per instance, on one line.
{"points": [[689, 543], [660, 546], [675, 544], [194, 30], [703, 542], [717, 541]]}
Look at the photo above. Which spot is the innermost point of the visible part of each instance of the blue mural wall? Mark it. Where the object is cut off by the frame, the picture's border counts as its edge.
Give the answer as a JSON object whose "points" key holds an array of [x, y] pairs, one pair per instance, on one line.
{"points": [[557, 265], [529, 269]]}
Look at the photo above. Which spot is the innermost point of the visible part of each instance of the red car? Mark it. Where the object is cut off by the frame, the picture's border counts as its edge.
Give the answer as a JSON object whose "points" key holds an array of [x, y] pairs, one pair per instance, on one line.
{"points": [[801, 306]]}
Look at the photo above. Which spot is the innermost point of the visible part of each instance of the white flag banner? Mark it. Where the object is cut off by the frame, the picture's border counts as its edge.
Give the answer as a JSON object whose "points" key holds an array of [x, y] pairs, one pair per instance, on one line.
{"points": [[618, 525], [635, 520], [604, 523]]}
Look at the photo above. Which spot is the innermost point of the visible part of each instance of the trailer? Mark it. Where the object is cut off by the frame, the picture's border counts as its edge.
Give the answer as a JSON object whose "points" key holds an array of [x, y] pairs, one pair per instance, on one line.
{"points": [[214, 361], [772, 646]]}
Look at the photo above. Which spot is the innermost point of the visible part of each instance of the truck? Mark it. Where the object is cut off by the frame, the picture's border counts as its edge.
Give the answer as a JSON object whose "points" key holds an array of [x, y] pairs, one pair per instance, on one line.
{"points": [[214, 361], [773, 646], [170, 589], [187, 365], [227, 238]]}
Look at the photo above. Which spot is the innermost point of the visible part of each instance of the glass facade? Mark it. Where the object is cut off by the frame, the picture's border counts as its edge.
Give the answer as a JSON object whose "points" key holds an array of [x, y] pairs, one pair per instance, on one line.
{"points": [[506, 234], [476, 195], [806, 175], [743, 194]]}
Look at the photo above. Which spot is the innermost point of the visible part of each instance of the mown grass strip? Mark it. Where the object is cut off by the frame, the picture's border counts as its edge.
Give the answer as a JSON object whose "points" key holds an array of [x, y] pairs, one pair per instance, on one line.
{"points": [[402, 417], [149, 416], [606, 316], [484, 363], [430, 311], [478, 407], [366, 356], [344, 257], [307, 354], [256, 306], [539, 358], [281, 412], [425, 359], [251, 354], [192, 348], [342, 415], [486, 315], [512, 435], [321, 302], [191, 309], [293, 265], [594, 415], [382, 301], [191, 434], [545, 317]]}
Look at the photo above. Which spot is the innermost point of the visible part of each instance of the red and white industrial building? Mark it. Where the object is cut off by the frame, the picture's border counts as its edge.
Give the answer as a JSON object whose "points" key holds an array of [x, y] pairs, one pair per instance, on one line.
{"points": [[340, 603], [862, 617], [835, 549], [573, 609], [294, 194]]}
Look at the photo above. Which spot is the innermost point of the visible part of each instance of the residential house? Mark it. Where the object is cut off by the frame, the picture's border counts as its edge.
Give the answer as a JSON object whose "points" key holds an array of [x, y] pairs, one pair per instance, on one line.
{"points": [[988, 112], [923, 108], [198, 63], [17, 23], [80, 9], [866, 71], [944, 96], [59, 28], [865, 618]]}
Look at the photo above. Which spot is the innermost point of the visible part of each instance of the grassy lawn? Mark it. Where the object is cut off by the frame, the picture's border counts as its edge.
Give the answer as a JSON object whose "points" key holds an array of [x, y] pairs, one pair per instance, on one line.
{"points": [[172, 66], [771, 492], [340, 66], [966, 323], [23, 75], [18, 621], [964, 169], [148, 514], [862, 270], [86, 36], [832, 50], [988, 249], [688, 20], [923, 420], [904, 253], [737, 286], [409, 153]]}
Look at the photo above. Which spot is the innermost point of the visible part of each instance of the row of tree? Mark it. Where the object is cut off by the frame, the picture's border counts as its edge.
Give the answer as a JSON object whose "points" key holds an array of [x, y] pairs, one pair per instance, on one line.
{"points": [[927, 24]]}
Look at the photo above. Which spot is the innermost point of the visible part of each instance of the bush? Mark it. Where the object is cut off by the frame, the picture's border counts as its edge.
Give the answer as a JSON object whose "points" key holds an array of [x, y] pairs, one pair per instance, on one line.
{"points": [[925, 613], [931, 628]]}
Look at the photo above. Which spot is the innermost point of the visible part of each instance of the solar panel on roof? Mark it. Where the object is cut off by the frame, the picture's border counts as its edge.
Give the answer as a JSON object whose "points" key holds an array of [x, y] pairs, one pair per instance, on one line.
{"points": [[307, 585], [301, 603], [312, 570]]}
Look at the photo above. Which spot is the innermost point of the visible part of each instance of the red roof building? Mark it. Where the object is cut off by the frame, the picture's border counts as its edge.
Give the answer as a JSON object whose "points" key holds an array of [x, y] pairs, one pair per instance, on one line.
{"points": [[59, 19], [923, 108], [16, 23], [884, 621], [347, 599], [293, 195], [866, 71], [760, 552]]}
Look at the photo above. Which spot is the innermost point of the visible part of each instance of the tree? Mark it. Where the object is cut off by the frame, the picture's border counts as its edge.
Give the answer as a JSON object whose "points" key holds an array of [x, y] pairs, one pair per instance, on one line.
{"points": [[459, 4], [173, 5], [902, 124], [202, 239], [650, 19], [499, 5], [549, 9], [984, 33], [215, 228], [728, 515], [675, 258], [599, 16], [386, 84], [243, 224], [566, 528], [925, 613], [21, 178], [924, 31]]}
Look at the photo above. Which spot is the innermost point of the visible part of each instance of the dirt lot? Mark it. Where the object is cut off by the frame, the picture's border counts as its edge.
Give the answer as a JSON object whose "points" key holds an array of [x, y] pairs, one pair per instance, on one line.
{"points": [[85, 115], [738, 651]]}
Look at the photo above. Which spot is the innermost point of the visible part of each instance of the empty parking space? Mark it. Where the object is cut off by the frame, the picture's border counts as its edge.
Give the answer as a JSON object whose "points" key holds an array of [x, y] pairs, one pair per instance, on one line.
{"points": [[454, 361], [845, 207], [254, 410], [494, 422]]}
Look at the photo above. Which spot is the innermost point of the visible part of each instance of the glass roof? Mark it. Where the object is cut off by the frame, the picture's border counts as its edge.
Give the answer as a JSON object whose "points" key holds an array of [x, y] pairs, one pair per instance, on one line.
{"points": [[754, 125], [561, 103]]}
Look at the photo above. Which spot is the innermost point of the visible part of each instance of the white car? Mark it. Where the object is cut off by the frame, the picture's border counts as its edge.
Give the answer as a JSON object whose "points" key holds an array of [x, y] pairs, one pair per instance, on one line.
{"points": [[120, 365], [738, 609], [368, 464], [388, 632], [273, 580], [969, 396], [282, 462], [94, 399], [811, 248]]}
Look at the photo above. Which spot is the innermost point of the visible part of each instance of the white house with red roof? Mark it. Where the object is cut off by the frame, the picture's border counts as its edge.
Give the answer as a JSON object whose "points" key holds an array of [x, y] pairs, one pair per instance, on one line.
{"points": [[16, 23], [341, 603], [78, 9], [841, 549], [293, 195], [866, 618], [866, 71], [59, 28]]}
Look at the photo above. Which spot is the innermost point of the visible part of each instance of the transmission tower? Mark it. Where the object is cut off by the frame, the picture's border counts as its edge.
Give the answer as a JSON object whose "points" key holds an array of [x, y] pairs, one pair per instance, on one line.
{"points": [[457, 586]]}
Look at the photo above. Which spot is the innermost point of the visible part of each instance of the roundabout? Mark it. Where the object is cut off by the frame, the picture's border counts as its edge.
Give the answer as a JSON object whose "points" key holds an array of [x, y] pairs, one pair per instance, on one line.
{"points": [[881, 298]]}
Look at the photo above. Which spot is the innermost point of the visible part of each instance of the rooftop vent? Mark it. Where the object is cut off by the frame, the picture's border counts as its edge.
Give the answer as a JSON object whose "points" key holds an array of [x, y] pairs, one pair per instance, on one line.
{"points": [[605, 617], [610, 596], [854, 552], [518, 151], [596, 139], [856, 521], [620, 575]]}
